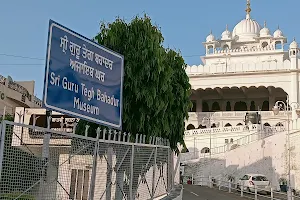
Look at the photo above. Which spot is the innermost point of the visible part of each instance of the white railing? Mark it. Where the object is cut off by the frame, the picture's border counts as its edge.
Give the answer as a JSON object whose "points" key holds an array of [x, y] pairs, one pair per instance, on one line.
{"points": [[223, 68], [230, 114], [222, 183], [259, 135]]}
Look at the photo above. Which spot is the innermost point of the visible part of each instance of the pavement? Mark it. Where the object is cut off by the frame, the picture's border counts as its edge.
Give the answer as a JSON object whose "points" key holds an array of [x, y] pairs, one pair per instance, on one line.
{"points": [[195, 192]]}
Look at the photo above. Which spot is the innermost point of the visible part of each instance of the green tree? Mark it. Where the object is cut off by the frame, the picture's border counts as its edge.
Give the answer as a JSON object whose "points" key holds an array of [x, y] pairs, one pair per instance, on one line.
{"points": [[156, 88]]}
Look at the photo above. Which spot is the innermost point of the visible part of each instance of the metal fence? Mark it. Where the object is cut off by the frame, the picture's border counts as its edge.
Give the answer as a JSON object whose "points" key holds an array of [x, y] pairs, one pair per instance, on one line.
{"points": [[39, 163]]}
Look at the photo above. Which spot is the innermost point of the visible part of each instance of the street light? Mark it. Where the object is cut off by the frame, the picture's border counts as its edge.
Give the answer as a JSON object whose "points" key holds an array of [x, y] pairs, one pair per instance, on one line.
{"points": [[206, 120], [287, 106]]}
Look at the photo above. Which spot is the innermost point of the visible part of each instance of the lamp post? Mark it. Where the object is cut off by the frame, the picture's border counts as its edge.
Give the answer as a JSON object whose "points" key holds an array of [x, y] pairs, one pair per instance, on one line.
{"points": [[207, 120], [287, 106]]}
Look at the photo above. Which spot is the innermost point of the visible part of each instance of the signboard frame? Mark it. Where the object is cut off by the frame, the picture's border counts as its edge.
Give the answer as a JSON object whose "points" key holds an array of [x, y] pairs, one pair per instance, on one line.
{"points": [[47, 75]]}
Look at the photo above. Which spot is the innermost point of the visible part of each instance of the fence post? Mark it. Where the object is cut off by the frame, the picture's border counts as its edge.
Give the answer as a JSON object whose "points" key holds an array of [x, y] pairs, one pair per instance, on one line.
{"points": [[220, 183], [242, 189], [131, 173], [272, 195], [192, 179], [229, 186], [94, 169], [154, 171], [2, 143], [255, 191]]}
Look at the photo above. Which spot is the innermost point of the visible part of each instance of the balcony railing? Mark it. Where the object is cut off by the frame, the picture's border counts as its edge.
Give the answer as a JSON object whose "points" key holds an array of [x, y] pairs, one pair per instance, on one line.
{"points": [[229, 114]]}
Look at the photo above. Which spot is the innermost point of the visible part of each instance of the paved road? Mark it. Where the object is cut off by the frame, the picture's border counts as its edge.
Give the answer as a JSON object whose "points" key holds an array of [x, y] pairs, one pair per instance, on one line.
{"points": [[194, 192]]}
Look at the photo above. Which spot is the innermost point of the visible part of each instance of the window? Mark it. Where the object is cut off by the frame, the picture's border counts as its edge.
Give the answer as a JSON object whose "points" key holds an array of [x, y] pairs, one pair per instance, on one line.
{"points": [[23, 98], [79, 187], [264, 44], [226, 141], [194, 108], [259, 178], [245, 177]]}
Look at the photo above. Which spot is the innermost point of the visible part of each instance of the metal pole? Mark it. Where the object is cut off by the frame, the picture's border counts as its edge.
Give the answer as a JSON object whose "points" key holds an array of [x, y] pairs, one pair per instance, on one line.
{"points": [[94, 169], [289, 150], [194, 147], [131, 173], [209, 146]]}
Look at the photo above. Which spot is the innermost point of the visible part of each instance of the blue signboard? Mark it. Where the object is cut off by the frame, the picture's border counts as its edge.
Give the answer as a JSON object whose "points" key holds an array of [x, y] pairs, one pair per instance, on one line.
{"points": [[82, 78]]}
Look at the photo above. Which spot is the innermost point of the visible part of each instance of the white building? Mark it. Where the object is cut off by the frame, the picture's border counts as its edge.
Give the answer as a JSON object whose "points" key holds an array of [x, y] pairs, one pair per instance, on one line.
{"points": [[248, 69]]}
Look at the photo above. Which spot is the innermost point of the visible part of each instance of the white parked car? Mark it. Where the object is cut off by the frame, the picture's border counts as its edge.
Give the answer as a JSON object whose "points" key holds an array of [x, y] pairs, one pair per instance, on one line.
{"points": [[250, 181]]}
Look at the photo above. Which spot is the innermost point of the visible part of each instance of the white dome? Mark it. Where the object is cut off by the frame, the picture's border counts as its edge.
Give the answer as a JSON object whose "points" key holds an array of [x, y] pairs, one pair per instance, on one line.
{"points": [[265, 32], [226, 34], [278, 33], [247, 29], [210, 38], [294, 45]]}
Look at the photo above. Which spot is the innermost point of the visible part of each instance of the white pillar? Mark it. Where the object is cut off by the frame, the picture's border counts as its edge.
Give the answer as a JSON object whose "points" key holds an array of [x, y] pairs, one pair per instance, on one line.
{"points": [[294, 92]]}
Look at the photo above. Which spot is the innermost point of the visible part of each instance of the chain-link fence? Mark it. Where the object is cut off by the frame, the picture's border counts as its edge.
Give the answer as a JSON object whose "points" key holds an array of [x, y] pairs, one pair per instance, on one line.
{"points": [[39, 163]]}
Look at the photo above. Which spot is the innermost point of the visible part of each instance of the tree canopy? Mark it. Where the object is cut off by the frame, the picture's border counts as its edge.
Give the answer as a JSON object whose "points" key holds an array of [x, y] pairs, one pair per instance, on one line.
{"points": [[156, 88]]}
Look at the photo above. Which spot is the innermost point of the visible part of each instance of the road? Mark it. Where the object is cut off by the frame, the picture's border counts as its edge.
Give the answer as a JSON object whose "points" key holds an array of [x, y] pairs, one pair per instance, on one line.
{"points": [[194, 192]]}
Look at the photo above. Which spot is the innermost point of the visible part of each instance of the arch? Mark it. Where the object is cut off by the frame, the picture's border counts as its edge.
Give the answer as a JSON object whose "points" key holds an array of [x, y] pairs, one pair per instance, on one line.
{"points": [[215, 106], [190, 127], [264, 44], [252, 106], [213, 125], [240, 106], [231, 140], [228, 124], [267, 124], [279, 124], [228, 106], [194, 106], [278, 45], [225, 47], [205, 107], [239, 124], [205, 150], [201, 127], [210, 49], [265, 106]]}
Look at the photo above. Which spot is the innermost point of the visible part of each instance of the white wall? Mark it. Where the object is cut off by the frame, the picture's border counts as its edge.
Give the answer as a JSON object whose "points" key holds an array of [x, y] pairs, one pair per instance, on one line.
{"points": [[268, 156]]}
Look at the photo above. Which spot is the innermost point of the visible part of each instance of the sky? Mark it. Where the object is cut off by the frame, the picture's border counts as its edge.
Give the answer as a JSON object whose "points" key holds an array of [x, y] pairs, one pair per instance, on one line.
{"points": [[184, 24]]}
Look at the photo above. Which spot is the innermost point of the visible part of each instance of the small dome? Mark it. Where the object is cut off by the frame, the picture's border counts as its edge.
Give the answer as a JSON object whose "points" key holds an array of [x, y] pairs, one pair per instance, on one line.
{"points": [[226, 34], [294, 45], [246, 29], [265, 32], [210, 37], [278, 33]]}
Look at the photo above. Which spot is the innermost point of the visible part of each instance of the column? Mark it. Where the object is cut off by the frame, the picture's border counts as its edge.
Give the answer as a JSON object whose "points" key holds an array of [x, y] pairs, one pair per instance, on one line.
{"points": [[271, 102], [199, 105]]}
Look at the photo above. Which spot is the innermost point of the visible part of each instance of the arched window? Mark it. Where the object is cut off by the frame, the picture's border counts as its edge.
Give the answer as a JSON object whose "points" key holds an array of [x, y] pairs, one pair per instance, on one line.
{"points": [[213, 125], [252, 106], [279, 124], [210, 50], [239, 124], [215, 106], [205, 107], [226, 125], [205, 150], [267, 124], [240, 106], [201, 127], [194, 108], [264, 44], [231, 140], [190, 127], [265, 106], [228, 106], [278, 45], [225, 47]]}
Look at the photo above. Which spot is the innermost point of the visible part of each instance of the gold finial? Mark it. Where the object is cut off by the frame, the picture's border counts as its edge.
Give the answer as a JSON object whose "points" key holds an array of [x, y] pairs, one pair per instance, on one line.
{"points": [[210, 31], [248, 9], [226, 27], [295, 39], [278, 27], [265, 24]]}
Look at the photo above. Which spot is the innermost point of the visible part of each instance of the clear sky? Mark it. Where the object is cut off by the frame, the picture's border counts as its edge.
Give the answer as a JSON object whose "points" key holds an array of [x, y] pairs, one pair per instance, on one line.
{"points": [[185, 25]]}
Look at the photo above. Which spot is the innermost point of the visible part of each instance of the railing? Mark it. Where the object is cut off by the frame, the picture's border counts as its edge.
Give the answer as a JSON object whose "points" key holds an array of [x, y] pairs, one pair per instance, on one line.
{"points": [[233, 114], [223, 68], [259, 135], [243, 190]]}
